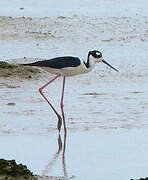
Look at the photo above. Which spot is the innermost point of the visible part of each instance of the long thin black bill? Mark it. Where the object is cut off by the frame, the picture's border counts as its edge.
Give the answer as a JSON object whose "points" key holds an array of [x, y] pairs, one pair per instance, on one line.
{"points": [[109, 65]]}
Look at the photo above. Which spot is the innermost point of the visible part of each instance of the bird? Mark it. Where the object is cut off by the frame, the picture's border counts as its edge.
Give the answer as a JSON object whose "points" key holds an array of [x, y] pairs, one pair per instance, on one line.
{"points": [[66, 66]]}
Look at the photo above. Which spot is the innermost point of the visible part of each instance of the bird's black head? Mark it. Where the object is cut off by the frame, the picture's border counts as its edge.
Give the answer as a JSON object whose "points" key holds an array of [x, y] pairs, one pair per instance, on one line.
{"points": [[95, 54]]}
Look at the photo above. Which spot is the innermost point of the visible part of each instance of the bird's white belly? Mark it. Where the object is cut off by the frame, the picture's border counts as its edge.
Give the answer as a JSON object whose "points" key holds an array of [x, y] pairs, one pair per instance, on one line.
{"points": [[68, 71]]}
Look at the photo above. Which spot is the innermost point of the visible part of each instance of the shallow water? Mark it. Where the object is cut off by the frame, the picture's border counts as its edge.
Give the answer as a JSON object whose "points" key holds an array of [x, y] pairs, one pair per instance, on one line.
{"points": [[103, 154]]}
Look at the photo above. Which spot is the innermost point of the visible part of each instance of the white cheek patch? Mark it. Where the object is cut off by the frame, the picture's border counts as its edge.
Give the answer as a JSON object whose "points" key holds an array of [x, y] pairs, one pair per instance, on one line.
{"points": [[98, 53]]}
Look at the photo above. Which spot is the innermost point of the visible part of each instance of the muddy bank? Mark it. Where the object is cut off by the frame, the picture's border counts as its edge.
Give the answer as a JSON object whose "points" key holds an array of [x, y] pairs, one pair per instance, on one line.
{"points": [[16, 70], [10, 170]]}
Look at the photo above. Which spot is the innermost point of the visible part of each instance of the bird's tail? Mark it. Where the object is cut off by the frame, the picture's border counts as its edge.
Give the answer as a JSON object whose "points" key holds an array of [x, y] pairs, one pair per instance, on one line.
{"points": [[37, 63], [28, 64]]}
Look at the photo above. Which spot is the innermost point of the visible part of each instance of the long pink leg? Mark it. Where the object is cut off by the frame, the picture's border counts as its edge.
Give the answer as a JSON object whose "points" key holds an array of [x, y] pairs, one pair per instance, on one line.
{"points": [[40, 90], [61, 104]]}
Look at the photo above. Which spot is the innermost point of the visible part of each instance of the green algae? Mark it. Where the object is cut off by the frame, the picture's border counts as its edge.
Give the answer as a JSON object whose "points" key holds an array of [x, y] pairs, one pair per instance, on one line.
{"points": [[141, 179], [11, 171], [11, 70]]}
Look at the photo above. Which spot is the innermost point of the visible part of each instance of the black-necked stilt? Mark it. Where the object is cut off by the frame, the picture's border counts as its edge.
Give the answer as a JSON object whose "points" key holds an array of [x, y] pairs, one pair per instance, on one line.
{"points": [[67, 66]]}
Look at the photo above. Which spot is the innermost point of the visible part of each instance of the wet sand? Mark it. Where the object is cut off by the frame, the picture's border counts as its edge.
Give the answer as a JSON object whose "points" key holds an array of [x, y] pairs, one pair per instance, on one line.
{"points": [[113, 100]]}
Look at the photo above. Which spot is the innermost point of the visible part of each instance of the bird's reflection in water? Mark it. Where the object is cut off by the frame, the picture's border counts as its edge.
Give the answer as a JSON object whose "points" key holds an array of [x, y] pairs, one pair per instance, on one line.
{"points": [[61, 148], [63, 157]]}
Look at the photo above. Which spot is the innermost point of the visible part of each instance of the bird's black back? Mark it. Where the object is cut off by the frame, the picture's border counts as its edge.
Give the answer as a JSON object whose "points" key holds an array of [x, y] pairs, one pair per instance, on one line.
{"points": [[57, 63]]}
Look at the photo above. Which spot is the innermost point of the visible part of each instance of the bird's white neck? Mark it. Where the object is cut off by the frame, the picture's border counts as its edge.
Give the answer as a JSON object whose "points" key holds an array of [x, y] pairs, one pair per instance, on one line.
{"points": [[91, 61]]}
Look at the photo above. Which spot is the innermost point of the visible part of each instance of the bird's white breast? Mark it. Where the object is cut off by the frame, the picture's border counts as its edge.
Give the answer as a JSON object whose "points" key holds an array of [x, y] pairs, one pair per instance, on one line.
{"points": [[72, 71]]}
